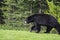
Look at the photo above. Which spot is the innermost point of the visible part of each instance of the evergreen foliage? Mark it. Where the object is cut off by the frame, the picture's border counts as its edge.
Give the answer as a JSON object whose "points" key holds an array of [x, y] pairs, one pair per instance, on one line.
{"points": [[16, 11]]}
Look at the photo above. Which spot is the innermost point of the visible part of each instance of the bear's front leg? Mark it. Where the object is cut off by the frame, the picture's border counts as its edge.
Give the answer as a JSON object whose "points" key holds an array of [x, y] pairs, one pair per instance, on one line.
{"points": [[32, 28], [37, 28]]}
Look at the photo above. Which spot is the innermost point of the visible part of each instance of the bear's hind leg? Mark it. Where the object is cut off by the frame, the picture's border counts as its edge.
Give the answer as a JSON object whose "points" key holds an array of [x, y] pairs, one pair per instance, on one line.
{"points": [[48, 29]]}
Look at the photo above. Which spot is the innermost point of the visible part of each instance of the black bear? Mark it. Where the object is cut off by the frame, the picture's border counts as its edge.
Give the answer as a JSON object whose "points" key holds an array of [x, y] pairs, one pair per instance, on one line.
{"points": [[43, 20]]}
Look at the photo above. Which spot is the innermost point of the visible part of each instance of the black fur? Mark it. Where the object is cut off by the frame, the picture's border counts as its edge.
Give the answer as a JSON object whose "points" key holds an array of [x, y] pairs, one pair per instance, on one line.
{"points": [[44, 20]]}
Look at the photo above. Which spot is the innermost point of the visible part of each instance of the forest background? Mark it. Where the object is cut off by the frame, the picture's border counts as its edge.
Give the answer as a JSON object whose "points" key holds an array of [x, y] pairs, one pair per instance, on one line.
{"points": [[15, 12]]}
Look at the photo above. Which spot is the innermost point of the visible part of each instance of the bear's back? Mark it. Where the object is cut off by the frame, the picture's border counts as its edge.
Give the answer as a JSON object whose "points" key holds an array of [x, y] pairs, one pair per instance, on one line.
{"points": [[45, 19]]}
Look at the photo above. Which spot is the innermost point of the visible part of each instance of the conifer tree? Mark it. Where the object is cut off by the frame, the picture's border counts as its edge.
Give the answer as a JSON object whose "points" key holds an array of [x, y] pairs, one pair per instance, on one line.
{"points": [[1, 12]]}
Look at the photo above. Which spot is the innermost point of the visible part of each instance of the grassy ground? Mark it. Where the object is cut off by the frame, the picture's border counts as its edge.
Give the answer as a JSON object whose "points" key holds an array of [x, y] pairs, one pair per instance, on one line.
{"points": [[26, 35]]}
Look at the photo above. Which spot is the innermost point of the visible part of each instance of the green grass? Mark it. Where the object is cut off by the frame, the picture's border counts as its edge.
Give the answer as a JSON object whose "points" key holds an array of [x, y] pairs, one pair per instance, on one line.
{"points": [[26, 35]]}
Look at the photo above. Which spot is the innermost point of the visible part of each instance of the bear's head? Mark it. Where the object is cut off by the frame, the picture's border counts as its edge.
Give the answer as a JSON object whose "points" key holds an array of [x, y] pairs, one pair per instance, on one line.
{"points": [[29, 19]]}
